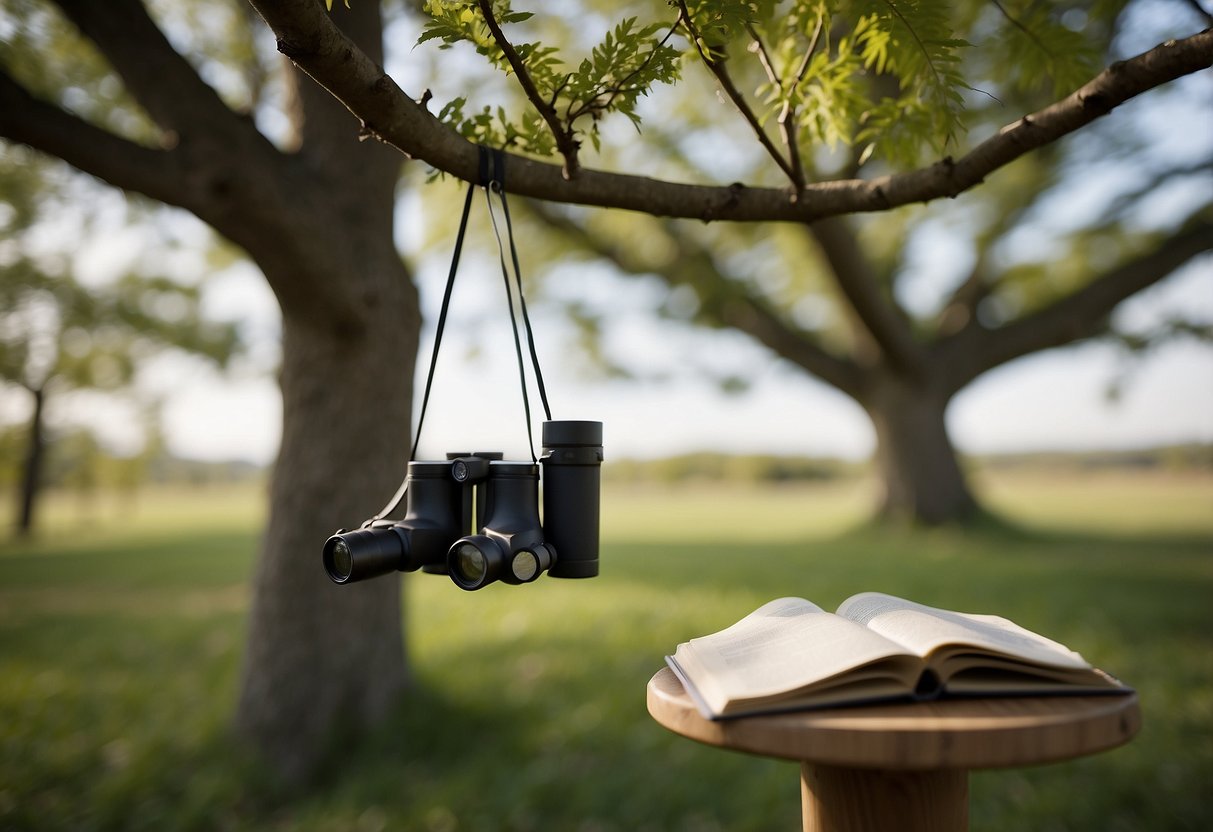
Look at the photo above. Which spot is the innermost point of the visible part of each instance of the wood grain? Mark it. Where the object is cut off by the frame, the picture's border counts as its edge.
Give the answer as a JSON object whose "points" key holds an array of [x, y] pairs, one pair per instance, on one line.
{"points": [[945, 734], [870, 800]]}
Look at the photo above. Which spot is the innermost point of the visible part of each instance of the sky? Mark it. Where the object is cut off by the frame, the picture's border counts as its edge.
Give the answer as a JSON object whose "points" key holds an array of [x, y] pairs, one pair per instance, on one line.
{"points": [[1054, 400]]}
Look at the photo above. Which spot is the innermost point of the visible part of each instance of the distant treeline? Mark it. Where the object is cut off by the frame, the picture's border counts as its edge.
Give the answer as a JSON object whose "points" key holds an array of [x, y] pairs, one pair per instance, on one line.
{"points": [[1192, 456], [709, 466], [76, 461], [717, 467]]}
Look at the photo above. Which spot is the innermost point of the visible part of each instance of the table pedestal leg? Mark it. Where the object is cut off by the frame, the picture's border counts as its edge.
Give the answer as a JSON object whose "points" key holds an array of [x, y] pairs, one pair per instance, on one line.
{"points": [[872, 800]]}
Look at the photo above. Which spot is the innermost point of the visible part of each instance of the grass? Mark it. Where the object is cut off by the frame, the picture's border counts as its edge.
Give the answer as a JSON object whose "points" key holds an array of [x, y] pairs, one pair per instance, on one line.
{"points": [[120, 645]]}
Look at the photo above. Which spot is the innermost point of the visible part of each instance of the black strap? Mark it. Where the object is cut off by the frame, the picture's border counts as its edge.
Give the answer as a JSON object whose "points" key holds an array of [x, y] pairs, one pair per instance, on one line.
{"points": [[492, 179], [498, 185], [526, 319]]}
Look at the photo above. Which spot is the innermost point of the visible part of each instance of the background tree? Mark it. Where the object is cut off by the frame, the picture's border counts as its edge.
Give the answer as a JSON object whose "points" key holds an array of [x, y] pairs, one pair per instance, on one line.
{"points": [[57, 335]]}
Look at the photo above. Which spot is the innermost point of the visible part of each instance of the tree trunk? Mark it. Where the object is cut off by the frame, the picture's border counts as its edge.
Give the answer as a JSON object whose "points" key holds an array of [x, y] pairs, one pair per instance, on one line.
{"points": [[923, 480], [324, 660], [31, 475]]}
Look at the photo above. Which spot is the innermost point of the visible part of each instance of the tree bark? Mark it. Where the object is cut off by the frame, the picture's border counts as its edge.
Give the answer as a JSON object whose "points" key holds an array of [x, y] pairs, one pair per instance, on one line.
{"points": [[31, 474], [323, 659], [922, 477]]}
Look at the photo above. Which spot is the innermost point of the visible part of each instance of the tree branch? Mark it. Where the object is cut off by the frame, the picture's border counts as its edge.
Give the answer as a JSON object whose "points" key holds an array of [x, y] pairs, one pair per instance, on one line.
{"points": [[717, 68], [960, 308], [1081, 315], [159, 78], [565, 143], [122, 163], [787, 113], [307, 36], [877, 313], [738, 307]]}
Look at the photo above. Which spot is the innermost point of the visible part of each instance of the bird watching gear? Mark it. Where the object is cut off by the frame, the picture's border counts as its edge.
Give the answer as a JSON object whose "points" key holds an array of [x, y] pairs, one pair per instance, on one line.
{"points": [[476, 516]]}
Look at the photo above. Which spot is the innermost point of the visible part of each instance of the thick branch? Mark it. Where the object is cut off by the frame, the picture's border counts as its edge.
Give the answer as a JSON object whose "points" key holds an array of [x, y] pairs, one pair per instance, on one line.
{"points": [[307, 36], [1081, 315], [160, 79], [738, 307], [122, 163], [960, 309], [877, 313]]}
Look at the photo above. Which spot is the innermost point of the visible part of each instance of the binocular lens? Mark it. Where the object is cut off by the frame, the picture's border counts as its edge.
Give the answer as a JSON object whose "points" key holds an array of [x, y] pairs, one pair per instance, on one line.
{"points": [[529, 564], [365, 553], [341, 561], [525, 566], [470, 564]]}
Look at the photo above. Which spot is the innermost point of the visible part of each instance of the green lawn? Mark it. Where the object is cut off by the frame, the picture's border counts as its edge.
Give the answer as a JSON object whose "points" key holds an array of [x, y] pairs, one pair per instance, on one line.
{"points": [[120, 645]]}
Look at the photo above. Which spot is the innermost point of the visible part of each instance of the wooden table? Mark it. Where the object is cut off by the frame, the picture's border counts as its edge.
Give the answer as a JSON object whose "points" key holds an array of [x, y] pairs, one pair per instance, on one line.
{"points": [[905, 767]]}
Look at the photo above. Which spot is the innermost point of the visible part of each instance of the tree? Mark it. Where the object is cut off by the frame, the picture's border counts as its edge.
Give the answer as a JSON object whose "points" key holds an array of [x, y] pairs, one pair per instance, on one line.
{"points": [[60, 336], [889, 82], [313, 208], [116, 99], [56, 335]]}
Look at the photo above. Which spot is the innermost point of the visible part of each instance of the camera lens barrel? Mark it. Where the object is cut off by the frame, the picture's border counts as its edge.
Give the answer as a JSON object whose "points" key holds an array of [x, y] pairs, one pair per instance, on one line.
{"points": [[572, 462], [365, 553], [434, 517], [475, 562]]}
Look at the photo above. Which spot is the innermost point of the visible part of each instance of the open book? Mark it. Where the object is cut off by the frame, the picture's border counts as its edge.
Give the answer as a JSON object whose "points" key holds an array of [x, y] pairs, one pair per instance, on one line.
{"points": [[790, 654]]}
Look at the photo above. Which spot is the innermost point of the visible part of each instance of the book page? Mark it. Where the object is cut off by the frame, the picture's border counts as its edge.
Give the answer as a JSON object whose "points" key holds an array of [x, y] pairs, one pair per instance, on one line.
{"points": [[922, 629], [784, 645]]}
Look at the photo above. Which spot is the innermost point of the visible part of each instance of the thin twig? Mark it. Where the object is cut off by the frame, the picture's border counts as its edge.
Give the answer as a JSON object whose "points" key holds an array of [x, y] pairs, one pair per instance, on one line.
{"points": [[565, 143], [764, 57], [1018, 25], [730, 89], [787, 118], [787, 114], [621, 86], [1201, 10], [803, 69]]}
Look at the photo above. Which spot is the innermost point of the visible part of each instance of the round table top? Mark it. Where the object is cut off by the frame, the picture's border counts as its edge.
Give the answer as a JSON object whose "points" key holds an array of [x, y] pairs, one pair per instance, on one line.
{"points": [[945, 733]]}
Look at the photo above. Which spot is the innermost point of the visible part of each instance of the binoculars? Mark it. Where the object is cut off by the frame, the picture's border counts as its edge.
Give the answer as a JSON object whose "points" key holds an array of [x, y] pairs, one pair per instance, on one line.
{"points": [[475, 517]]}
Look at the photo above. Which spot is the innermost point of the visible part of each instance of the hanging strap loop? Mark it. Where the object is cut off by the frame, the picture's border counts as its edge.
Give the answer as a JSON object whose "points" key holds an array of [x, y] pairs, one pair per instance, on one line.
{"points": [[492, 179]]}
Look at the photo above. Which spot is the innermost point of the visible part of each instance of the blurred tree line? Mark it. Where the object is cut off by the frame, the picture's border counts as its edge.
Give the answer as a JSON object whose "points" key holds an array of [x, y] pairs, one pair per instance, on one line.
{"points": [[733, 468], [59, 334], [78, 461], [771, 469]]}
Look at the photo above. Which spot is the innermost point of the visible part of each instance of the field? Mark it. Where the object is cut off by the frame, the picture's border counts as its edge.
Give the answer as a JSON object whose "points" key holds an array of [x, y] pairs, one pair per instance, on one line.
{"points": [[120, 645]]}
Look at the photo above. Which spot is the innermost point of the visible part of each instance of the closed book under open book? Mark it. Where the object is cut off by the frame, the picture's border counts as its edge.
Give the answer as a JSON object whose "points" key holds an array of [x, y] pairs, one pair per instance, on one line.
{"points": [[790, 654]]}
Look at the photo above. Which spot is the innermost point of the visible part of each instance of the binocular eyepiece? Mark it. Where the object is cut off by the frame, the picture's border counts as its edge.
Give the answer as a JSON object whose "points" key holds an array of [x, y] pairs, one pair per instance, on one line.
{"points": [[476, 518]]}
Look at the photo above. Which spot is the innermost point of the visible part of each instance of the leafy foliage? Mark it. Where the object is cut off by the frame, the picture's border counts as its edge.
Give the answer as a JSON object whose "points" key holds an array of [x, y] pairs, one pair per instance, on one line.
{"points": [[628, 62], [891, 77]]}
